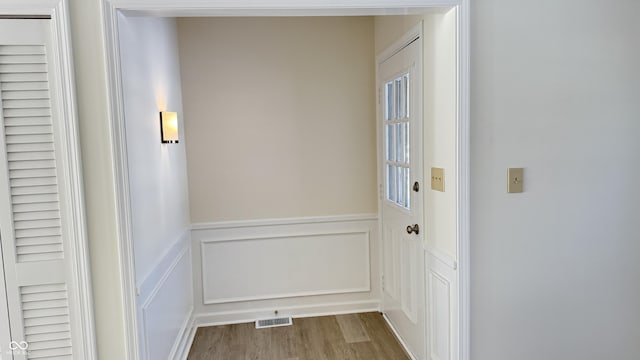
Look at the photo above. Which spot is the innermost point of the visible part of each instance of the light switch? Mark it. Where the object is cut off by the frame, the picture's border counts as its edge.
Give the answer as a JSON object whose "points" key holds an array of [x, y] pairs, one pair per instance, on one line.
{"points": [[515, 180], [437, 179]]}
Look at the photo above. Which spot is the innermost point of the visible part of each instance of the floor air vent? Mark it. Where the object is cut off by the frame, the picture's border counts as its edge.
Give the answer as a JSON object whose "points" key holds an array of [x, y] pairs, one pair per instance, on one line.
{"points": [[274, 322]]}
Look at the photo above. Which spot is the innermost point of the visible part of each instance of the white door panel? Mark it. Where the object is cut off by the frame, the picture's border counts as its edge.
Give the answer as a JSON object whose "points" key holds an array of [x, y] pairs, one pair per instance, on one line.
{"points": [[36, 219], [400, 84]]}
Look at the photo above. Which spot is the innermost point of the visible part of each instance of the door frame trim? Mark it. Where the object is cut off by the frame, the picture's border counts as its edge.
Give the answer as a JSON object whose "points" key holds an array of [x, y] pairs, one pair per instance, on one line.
{"points": [[110, 10], [58, 12]]}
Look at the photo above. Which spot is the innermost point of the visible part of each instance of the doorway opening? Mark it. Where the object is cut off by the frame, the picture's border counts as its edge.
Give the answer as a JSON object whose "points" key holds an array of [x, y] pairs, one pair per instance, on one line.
{"points": [[216, 238]]}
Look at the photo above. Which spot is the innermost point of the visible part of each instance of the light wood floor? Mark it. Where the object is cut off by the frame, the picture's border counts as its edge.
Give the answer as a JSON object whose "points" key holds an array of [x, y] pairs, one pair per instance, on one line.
{"points": [[354, 336]]}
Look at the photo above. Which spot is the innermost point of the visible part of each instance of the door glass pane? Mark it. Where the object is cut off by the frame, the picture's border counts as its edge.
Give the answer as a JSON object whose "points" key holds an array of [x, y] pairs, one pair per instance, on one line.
{"points": [[402, 99], [405, 92], [398, 100], [391, 154], [391, 181], [399, 186], [400, 136], [388, 114], [406, 142], [407, 190]]}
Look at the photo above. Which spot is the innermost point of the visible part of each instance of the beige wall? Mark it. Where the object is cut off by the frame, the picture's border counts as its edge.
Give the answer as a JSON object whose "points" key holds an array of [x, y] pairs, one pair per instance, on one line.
{"points": [[440, 112], [279, 116]]}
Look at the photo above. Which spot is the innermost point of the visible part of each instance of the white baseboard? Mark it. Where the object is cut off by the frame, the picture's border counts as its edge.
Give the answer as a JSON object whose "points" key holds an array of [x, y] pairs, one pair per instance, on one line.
{"points": [[395, 333], [185, 340], [245, 316]]}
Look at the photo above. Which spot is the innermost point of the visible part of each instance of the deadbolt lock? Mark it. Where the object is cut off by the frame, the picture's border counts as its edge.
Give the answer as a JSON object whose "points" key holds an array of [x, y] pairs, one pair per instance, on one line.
{"points": [[416, 186]]}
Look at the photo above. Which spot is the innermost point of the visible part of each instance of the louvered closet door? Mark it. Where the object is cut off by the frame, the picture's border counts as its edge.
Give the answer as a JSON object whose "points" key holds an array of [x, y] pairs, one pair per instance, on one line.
{"points": [[39, 278]]}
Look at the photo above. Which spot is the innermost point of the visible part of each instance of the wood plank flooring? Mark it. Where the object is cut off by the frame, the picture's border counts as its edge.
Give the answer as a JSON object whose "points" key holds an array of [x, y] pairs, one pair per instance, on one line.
{"points": [[355, 336]]}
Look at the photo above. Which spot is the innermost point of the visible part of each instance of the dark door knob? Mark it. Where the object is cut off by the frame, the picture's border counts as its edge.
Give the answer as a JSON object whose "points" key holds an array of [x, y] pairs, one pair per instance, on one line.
{"points": [[415, 228]]}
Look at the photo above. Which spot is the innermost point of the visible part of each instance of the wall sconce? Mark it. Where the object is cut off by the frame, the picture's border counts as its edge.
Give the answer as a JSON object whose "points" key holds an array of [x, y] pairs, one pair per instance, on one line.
{"points": [[169, 127]]}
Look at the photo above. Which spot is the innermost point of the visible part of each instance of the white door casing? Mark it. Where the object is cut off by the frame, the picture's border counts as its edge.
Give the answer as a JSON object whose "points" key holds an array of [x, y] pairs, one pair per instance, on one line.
{"points": [[41, 204], [400, 127], [285, 8]]}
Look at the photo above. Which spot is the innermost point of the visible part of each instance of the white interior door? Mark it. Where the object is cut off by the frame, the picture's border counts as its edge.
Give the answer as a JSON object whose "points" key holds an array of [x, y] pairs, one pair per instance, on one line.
{"points": [[400, 85], [37, 218]]}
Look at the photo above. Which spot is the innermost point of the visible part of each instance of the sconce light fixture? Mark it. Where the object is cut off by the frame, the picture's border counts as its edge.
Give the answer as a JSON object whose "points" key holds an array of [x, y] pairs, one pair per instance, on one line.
{"points": [[169, 127]]}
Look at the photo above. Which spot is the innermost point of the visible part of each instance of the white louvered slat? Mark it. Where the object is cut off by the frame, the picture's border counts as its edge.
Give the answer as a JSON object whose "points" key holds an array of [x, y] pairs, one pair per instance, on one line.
{"points": [[32, 173], [29, 139], [24, 94], [27, 112], [32, 85], [23, 77], [27, 121], [26, 103], [36, 224], [32, 155], [34, 189], [24, 68], [45, 315], [22, 50], [32, 164], [22, 59], [38, 198], [40, 240], [28, 182], [29, 233], [29, 130], [14, 148], [36, 215], [25, 208]]}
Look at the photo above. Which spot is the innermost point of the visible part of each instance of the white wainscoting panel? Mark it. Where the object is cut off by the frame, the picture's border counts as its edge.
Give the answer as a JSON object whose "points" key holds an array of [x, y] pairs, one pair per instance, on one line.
{"points": [[301, 266], [165, 304], [442, 299]]}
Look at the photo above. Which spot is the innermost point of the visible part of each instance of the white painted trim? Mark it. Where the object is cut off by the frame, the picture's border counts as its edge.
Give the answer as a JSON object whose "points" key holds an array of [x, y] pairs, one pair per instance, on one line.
{"points": [[446, 259], [395, 333], [282, 8], [150, 287], [463, 208], [367, 270], [279, 7], [58, 10], [282, 221], [410, 36], [299, 311], [164, 278], [149, 280], [155, 292], [284, 236], [121, 178], [188, 334]]}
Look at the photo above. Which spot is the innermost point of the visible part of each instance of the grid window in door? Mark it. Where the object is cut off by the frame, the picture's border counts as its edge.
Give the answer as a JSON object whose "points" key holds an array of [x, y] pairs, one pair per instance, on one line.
{"points": [[396, 125]]}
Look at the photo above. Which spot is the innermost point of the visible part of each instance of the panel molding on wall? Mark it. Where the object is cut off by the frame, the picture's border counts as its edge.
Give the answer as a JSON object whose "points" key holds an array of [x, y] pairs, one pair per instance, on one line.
{"points": [[442, 295], [300, 266], [285, 262], [162, 298]]}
